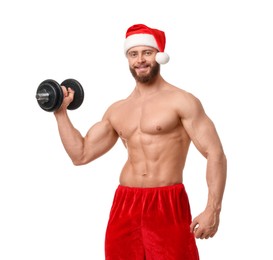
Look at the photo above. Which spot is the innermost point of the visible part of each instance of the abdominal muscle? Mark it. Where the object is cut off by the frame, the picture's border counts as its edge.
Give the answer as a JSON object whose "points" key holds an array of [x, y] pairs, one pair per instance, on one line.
{"points": [[154, 160]]}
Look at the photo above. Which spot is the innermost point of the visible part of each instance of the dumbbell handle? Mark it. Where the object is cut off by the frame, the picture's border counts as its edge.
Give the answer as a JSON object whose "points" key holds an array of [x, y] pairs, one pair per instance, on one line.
{"points": [[42, 96]]}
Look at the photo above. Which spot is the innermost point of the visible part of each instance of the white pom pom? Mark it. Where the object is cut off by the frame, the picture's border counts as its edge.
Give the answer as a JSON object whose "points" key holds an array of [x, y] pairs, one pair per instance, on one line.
{"points": [[162, 58]]}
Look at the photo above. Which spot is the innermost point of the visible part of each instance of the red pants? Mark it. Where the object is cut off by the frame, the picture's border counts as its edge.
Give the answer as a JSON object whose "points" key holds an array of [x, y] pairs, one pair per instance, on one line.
{"points": [[150, 224]]}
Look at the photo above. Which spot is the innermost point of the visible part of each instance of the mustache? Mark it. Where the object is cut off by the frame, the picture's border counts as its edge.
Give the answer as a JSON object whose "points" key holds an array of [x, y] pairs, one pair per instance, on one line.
{"points": [[155, 69]]}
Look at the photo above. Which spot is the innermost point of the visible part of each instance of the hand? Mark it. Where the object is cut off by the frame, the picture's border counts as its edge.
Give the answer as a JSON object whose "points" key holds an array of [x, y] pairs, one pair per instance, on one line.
{"points": [[68, 96], [205, 225]]}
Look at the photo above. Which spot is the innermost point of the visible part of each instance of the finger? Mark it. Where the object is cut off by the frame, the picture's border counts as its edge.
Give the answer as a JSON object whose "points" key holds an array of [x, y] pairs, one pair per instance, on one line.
{"points": [[207, 235], [65, 91], [199, 235], [204, 236], [70, 91], [213, 234], [198, 232], [194, 225]]}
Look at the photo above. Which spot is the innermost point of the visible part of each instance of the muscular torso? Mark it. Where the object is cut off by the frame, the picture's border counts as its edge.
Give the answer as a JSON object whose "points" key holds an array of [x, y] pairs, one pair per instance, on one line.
{"points": [[157, 143]]}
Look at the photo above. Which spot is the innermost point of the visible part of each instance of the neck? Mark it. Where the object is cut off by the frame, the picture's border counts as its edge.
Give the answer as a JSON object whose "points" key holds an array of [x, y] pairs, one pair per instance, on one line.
{"points": [[143, 89]]}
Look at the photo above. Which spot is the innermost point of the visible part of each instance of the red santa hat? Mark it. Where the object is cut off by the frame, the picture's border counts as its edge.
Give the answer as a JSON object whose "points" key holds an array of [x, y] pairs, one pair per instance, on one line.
{"points": [[140, 34]]}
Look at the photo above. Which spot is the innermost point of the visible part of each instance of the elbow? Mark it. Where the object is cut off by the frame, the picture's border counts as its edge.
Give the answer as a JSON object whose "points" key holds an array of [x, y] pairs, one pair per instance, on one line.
{"points": [[79, 161], [218, 156], [221, 155]]}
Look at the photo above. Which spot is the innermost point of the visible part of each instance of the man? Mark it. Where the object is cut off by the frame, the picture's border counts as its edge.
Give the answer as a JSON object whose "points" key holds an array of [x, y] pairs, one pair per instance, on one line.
{"points": [[150, 217]]}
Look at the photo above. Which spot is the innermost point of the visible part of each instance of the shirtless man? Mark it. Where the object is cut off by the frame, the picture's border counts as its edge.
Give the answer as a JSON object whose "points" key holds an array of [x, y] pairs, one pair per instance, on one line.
{"points": [[150, 217]]}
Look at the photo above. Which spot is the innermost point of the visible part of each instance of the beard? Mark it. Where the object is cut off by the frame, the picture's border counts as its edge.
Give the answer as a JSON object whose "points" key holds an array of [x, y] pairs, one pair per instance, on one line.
{"points": [[148, 77]]}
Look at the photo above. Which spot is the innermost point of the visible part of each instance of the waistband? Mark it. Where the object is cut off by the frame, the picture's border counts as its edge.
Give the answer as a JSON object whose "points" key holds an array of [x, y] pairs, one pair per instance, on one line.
{"points": [[159, 188]]}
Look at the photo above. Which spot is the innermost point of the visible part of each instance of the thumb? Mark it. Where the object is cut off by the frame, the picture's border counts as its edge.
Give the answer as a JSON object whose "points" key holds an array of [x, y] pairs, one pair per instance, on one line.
{"points": [[193, 225]]}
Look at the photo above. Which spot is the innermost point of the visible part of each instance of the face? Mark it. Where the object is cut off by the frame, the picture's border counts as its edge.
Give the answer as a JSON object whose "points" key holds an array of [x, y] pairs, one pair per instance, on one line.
{"points": [[142, 63]]}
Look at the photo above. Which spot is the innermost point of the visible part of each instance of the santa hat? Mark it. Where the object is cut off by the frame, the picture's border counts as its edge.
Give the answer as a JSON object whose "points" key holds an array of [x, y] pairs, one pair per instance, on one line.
{"points": [[140, 34]]}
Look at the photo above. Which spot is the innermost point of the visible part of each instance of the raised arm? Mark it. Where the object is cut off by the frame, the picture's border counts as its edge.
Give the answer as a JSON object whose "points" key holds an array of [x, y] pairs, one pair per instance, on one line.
{"points": [[99, 139], [205, 138]]}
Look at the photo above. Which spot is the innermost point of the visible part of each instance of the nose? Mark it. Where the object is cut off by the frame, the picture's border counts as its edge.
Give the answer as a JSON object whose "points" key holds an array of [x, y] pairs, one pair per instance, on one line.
{"points": [[140, 58]]}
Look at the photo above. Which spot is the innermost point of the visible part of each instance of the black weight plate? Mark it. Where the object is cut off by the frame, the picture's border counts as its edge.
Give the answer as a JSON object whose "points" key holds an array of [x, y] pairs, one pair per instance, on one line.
{"points": [[78, 95], [55, 97]]}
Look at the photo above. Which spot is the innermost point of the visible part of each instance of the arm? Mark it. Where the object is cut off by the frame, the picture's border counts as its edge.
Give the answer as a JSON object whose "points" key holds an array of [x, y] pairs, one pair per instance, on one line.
{"points": [[99, 139], [205, 138]]}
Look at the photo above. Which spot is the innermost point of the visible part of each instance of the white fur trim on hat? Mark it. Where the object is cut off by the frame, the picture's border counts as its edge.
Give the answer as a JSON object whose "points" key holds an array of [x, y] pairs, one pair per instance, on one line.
{"points": [[139, 39], [147, 40]]}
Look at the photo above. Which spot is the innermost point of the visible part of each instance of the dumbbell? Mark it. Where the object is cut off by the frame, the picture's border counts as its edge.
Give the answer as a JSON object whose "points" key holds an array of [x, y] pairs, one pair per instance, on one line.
{"points": [[50, 96]]}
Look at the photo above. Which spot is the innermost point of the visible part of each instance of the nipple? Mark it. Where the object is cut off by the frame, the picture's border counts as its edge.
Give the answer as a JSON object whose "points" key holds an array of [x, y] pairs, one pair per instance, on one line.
{"points": [[158, 128]]}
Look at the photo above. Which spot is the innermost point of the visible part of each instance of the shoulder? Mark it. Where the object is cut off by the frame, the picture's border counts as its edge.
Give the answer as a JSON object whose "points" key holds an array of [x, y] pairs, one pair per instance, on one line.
{"points": [[113, 108], [185, 103], [183, 97]]}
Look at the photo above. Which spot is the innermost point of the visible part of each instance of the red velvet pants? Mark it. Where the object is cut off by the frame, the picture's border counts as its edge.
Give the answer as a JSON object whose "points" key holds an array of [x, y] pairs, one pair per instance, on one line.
{"points": [[150, 224]]}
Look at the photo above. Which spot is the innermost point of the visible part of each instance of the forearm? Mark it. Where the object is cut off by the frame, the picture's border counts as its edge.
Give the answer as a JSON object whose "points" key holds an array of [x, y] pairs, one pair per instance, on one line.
{"points": [[71, 138], [216, 181]]}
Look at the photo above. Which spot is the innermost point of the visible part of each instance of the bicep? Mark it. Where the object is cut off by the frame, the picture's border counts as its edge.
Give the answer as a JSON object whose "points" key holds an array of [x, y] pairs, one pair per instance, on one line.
{"points": [[201, 129], [204, 135], [100, 138]]}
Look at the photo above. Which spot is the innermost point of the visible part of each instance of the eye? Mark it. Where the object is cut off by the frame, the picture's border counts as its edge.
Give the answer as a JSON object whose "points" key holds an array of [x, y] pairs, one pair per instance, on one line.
{"points": [[148, 52], [132, 54]]}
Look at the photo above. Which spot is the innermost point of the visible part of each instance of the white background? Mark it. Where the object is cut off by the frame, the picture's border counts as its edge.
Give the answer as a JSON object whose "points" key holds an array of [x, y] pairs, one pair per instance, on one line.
{"points": [[221, 51]]}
